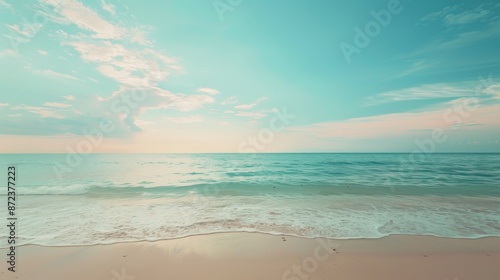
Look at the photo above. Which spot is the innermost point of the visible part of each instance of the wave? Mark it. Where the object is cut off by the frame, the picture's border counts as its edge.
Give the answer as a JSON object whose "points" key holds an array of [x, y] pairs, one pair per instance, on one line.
{"points": [[141, 189], [304, 188], [59, 220]]}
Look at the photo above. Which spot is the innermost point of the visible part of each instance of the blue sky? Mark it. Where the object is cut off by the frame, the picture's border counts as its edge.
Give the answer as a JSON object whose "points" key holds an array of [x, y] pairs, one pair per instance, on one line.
{"points": [[249, 76]]}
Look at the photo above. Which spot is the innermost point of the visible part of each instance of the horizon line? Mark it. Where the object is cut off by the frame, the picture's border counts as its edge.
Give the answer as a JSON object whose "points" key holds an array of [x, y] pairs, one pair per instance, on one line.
{"points": [[263, 153]]}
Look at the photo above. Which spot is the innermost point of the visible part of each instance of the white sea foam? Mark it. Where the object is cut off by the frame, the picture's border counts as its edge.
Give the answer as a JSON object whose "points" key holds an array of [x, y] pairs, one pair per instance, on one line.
{"points": [[82, 220]]}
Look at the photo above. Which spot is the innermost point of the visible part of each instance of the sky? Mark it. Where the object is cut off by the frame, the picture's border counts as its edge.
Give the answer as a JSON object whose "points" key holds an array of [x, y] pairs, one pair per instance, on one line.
{"points": [[188, 76]]}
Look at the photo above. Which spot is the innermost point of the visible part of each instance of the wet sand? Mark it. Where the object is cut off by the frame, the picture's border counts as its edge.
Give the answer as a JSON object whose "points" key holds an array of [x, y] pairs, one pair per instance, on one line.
{"points": [[245, 256]]}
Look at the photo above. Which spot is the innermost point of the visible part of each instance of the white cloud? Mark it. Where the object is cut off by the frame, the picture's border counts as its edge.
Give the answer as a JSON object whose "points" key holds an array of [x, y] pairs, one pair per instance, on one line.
{"points": [[191, 119], [25, 31], [108, 7], [256, 114], [74, 12], [57, 105], [7, 52], [251, 105], [109, 47], [42, 111], [88, 19], [4, 104], [494, 90], [189, 102], [131, 67], [42, 52], [137, 35], [465, 17], [416, 66], [54, 74], [490, 31], [439, 15], [455, 15], [432, 91], [208, 90], [229, 101], [101, 53], [446, 117], [4, 4], [154, 99], [485, 26]]}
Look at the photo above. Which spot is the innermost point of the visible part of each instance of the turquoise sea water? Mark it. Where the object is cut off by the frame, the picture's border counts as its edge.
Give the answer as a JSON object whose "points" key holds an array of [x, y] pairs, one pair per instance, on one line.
{"points": [[107, 198]]}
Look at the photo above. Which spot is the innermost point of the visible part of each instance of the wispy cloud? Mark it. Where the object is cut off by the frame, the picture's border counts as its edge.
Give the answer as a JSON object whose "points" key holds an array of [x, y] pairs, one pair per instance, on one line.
{"points": [[74, 117], [131, 67], [251, 105], [121, 53], [108, 7], [24, 31], [41, 111], [408, 123], [42, 52], [57, 105], [494, 90], [454, 15], [4, 5], [255, 114], [490, 31], [245, 110], [74, 12], [466, 17], [54, 74], [4, 105], [87, 19], [7, 52], [441, 14], [191, 119], [138, 35], [208, 90], [416, 66], [229, 101], [432, 91], [486, 25], [156, 99]]}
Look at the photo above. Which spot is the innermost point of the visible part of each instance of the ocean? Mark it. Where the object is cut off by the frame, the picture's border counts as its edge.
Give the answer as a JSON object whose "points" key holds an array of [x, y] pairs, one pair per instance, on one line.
{"points": [[110, 198]]}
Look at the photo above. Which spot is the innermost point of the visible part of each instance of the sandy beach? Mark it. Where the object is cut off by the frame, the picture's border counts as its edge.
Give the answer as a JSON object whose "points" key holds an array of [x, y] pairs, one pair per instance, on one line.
{"points": [[261, 256]]}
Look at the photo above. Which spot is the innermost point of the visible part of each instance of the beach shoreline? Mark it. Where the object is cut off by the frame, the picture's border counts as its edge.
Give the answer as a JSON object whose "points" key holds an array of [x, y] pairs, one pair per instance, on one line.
{"points": [[265, 256]]}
